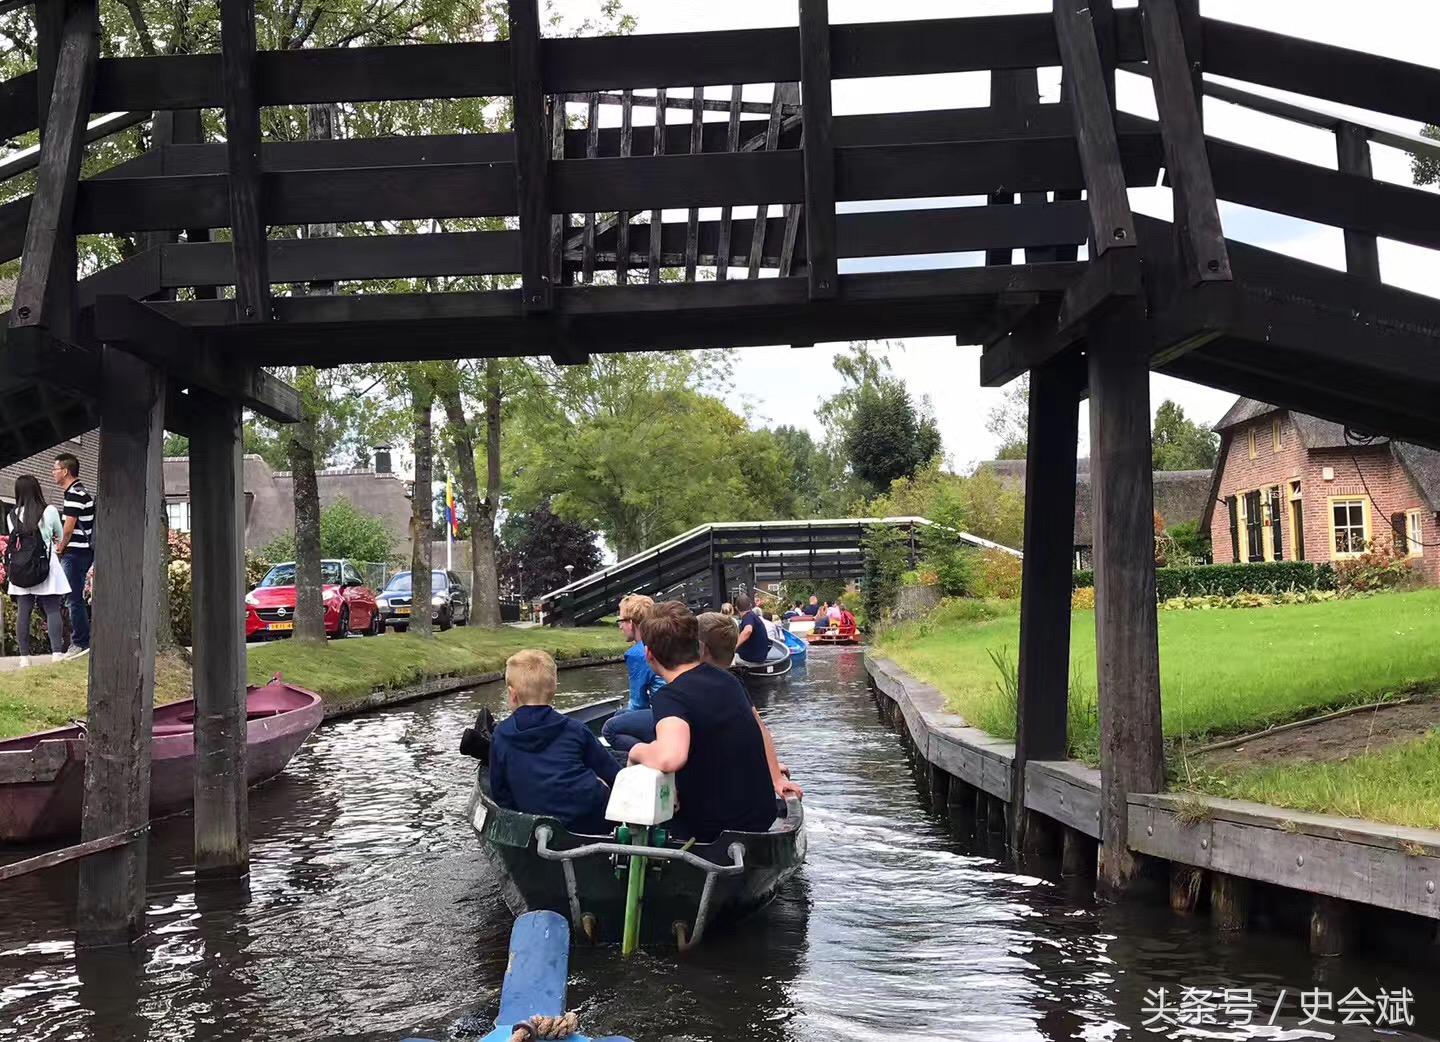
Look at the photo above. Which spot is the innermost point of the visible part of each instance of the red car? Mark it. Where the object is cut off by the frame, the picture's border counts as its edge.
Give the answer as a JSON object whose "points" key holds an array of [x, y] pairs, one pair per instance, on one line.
{"points": [[349, 603]]}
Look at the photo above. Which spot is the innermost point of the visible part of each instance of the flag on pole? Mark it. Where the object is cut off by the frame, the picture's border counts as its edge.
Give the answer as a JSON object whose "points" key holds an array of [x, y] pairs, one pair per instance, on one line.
{"points": [[450, 514]]}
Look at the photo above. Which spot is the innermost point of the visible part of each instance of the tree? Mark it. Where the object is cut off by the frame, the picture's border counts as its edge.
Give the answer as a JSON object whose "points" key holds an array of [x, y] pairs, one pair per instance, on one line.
{"points": [[979, 504], [344, 532], [889, 438], [422, 405], [817, 477], [1426, 169], [536, 547], [1181, 444], [1009, 421]]}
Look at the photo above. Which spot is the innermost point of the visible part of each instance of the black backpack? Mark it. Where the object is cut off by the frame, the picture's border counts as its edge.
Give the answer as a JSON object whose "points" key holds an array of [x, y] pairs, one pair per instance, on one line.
{"points": [[27, 559]]}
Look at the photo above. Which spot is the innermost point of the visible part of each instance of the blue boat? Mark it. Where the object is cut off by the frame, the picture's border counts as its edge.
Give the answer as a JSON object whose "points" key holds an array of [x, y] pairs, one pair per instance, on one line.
{"points": [[535, 977], [798, 648]]}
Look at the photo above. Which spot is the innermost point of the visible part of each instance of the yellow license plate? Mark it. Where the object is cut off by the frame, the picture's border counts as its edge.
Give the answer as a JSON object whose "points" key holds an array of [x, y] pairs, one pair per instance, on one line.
{"points": [[280, 626], [402, 611]]}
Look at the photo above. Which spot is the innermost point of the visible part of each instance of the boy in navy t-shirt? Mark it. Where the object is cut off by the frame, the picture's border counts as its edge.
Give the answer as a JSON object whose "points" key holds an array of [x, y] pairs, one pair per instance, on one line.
{"points": [[542, 762], [754, 643]]}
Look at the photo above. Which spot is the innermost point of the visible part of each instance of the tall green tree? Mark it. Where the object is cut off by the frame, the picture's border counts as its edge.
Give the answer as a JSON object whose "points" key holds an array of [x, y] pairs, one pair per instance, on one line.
{"points": [[1178, 443], [889, 437], [817, 476], [1426, 169], [1009, 421]]}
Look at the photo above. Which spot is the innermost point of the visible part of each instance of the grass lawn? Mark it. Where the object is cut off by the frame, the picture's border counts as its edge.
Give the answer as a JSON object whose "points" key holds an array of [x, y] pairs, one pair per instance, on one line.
{"points": [[1224, 671], [344, 672]]}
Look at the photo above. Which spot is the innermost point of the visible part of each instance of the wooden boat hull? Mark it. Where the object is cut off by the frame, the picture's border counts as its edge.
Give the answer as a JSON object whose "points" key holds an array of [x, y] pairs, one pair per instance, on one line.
{"points": [[521, 847], [42, 776]]}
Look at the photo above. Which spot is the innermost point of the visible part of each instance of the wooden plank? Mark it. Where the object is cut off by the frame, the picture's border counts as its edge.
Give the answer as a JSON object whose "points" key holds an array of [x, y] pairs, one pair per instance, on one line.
{"points": [[732, 145], [696, 100], [697, 146], [622, 218], [40, 764], [1362, 252], [1094, 128], [242, 137], [64, 855], [1035, 339], [19, 105], [1046, 580], [111, 905], [217, 503], [1013, 92], [559, 222], [1126, 628], [45, 291], [819, 148], [1067, 791], [785, 93], [656, 216], [532, 154], [592, 149], [1197, 214]]}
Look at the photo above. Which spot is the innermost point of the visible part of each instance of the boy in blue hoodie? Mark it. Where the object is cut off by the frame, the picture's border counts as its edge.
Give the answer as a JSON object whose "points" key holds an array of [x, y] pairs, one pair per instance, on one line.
{"points": [[635, 723], [542, 762]]}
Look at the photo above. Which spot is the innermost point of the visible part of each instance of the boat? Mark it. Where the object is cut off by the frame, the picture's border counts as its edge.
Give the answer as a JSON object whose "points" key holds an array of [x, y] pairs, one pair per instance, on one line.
{"points": [[42, 776], [687, 890], [836, 635], [802, 625], [798, 648], [777, 663]]}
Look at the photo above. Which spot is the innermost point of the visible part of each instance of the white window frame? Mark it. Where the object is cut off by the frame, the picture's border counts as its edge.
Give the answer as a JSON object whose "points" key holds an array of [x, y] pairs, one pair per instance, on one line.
{"points": [[1365, 528], [1414, 533], [170, 513]]}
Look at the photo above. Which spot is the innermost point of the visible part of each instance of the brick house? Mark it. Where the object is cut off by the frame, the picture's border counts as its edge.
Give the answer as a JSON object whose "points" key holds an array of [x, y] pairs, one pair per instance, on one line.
{"points": [[1293, 487], [86, 448]]}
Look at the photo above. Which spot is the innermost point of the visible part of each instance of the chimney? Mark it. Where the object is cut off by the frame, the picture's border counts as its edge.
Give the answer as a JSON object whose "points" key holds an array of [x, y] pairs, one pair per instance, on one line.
{"points": [[382, 459]]}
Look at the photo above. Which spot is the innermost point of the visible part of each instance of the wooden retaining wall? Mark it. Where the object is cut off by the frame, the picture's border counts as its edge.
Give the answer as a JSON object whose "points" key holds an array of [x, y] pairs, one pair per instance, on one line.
{"points": [[1339, 861]]}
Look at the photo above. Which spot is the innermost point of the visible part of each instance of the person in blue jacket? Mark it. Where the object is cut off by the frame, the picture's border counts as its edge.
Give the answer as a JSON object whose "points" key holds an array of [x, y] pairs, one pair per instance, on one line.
{"points": [[637, 722], [542, 762]]}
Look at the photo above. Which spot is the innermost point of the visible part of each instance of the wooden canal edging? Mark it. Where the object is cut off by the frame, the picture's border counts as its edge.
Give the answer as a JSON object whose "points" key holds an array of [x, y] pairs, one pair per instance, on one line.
{"points": [[1340, 863]]}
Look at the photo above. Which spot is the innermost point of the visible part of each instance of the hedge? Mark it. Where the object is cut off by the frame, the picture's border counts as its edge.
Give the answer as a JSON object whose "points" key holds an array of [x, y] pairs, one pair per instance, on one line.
{"points": [[1227, 580]]}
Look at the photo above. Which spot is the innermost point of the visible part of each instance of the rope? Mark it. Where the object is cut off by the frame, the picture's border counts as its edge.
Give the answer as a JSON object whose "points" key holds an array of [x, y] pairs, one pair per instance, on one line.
{"points": [[546, 1028]]}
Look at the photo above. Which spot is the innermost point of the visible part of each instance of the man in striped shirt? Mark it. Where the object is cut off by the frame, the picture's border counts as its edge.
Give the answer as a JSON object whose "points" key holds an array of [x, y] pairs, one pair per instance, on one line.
{"points": [[76, 549]]}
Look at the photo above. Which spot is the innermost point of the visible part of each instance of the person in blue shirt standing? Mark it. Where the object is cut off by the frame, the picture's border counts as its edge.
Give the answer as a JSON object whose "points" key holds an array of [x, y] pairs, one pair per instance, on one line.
{"points": [[637, 723], [754, 645]]}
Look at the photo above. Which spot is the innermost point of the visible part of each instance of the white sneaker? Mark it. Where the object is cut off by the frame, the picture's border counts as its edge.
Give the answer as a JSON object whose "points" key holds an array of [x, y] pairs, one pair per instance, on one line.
{"points": [[75, 652], [24, 661], [57, 656]]}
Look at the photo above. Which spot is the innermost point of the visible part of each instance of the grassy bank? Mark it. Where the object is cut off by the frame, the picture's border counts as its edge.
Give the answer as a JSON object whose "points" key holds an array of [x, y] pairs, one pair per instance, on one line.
{"points": [[344, 672], [1221, 672]]}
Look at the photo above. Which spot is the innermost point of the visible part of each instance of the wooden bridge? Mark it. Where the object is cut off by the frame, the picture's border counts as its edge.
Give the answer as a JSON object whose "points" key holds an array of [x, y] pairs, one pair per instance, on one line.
{"points": [[180, 334]]}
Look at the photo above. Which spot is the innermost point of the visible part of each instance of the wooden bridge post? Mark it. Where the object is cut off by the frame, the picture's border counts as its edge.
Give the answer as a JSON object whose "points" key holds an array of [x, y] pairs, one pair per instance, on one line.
{"points": [[1048, 573], [111, 904], [217, 499], [1127, 650]]}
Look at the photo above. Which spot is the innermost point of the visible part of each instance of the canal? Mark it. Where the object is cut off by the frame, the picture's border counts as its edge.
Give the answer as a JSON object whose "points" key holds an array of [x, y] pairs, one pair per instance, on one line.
{"points": [[369, 916]]}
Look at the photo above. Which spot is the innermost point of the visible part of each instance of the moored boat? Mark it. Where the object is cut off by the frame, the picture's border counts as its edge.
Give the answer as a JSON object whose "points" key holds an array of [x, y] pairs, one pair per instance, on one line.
{"points": [[687, 890], [42, 776]]}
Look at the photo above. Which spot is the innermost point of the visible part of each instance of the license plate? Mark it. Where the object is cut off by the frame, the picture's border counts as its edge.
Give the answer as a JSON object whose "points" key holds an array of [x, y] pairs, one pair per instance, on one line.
{"points": [[402, 611], [280, 626]]}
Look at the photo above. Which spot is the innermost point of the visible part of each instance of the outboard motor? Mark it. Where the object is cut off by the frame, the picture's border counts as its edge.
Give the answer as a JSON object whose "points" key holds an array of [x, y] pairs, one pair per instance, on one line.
{"points": [[476, 740]]}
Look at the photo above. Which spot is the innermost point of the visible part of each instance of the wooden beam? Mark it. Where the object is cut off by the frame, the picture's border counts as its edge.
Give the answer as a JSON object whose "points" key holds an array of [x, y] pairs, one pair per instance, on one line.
{"points": [[1034, 340], [622, 218], [111, 903], [732, 145], [45, 292], [1094, 128], [1127, 653], [1197, 213], [1362, 252], [1051, 446], [217, 503], [784, 94], [697, 146], [657, 216], [532, 153], [242, 139], [188, 358], [1015, 92], [559, 222], [820, 250], [592, 149], [653, 101]]}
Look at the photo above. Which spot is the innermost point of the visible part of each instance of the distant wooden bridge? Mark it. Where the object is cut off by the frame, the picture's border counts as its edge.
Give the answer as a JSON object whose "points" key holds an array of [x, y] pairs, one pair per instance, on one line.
{"points": [[160, 339]]}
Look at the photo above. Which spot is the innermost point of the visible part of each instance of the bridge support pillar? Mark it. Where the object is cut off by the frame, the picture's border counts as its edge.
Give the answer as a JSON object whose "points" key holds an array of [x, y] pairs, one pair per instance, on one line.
{"points": [[1048, 573], [717, 581], [217, 500], [1127, 650]]}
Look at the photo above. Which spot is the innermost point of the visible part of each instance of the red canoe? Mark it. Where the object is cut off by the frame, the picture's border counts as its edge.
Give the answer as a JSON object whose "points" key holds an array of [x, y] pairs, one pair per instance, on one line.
{"points": [[42, 776]]}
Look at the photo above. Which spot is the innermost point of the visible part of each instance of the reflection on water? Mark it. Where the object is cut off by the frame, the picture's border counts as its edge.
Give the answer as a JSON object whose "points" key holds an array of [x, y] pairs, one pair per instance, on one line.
{"points": [[369, 916]]}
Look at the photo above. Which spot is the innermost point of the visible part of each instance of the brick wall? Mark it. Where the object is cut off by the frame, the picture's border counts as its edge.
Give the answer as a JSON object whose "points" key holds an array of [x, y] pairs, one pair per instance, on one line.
{"points": [[1391, 491]]}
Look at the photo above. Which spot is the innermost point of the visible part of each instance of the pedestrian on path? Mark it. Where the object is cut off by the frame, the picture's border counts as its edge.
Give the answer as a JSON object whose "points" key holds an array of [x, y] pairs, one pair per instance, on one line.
{"points": [[35, 531], [76, 549]]}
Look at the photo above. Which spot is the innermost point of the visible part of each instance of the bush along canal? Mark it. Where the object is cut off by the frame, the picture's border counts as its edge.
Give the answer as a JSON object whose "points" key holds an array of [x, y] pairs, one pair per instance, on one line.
{"points": [[369, 915]]}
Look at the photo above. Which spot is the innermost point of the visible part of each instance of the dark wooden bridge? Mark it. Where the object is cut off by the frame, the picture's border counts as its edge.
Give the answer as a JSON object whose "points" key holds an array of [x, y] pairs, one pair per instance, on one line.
{"points": [[180, 334]]}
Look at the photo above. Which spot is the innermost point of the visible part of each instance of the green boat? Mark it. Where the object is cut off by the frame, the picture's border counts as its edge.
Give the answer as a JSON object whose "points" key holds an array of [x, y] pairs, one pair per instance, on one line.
{"points": [[686, 891]]}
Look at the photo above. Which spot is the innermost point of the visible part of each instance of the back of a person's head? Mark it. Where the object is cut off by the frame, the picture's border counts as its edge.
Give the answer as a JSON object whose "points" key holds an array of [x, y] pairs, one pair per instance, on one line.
{"points": [[636, 607], [742, 604], [672, 635], [29, 500], [531, 673], [718, 637]]}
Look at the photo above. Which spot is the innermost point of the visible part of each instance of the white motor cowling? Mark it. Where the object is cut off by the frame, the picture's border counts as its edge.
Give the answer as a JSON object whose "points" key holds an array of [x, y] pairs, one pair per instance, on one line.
{"points": [[641, 796]]}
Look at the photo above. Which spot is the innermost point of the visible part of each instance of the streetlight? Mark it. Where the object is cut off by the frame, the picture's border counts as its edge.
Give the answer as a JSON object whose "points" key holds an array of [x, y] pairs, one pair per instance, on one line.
{"points": [[569, 571]]}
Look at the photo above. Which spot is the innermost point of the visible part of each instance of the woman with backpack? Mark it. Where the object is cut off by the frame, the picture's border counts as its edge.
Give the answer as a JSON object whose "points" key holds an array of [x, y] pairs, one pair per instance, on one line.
{"points": [[32, 567]]}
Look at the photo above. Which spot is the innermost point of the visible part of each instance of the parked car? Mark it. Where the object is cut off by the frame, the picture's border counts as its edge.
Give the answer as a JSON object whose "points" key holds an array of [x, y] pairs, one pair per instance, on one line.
{"points": [[349, 604], [449, 601]]}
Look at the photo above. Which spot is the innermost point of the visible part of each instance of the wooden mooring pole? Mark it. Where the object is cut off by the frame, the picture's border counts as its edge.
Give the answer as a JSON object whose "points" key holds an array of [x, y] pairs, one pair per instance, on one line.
{"points": [[217, 500], [111, 903]]}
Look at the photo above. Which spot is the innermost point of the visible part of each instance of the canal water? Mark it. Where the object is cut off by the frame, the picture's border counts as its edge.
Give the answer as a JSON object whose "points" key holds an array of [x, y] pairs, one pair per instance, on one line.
{"points": [[369, 916]]}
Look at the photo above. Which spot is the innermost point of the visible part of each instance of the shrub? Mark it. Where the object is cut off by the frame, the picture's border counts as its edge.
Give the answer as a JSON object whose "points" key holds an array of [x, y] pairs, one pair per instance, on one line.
{"points": [[885, 559], [1227, 580], [1378, 568], [344, 532], [1000, 575], [1083, 599], [1248, 600]]}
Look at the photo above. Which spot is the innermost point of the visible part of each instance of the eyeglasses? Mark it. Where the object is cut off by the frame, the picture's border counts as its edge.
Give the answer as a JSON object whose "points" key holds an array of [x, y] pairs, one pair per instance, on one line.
{"points": [[624, 619]]}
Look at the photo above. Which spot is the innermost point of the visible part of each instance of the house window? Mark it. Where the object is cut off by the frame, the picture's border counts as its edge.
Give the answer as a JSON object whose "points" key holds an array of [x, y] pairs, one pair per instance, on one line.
{"points": [[178, 516], [1254, 527], [1230, 503], [1277, 524], [1297, 520], [1254, 452], [1275, 439], [1414, 533], [1347, 526]]}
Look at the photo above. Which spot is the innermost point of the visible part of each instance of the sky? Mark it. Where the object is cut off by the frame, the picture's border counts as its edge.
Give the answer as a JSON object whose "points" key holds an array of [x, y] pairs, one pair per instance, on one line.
{"points": [[783, 385]]}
